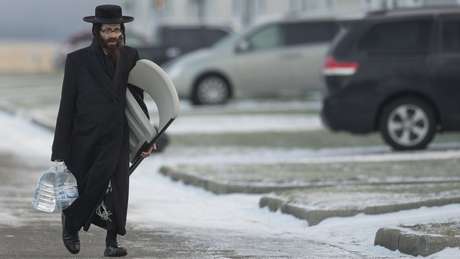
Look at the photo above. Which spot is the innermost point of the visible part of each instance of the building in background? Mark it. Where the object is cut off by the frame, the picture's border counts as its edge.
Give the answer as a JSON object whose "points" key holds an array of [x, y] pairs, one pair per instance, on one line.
{"points": [[55, 21], [392, 4], [30, 31], [239, 14]]}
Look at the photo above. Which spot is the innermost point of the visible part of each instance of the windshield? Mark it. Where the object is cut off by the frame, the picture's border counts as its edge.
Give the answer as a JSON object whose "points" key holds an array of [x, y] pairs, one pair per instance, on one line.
{"points": [[226, 41]]}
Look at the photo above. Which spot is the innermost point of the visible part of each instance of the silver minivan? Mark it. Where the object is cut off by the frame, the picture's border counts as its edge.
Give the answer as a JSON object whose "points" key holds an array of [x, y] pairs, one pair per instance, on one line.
{"points": [[271, 59]]}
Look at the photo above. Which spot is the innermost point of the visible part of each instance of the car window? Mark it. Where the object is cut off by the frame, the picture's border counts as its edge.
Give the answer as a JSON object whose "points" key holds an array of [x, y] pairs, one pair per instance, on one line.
{"points": [[451, 36], [212, 36], [309, 32], [399, 37], [182, 38], [266, 38], [228, 40]]}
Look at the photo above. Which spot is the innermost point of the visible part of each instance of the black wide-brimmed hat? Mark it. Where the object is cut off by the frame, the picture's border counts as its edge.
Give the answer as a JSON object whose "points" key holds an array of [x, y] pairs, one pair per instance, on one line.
{"points": [[108, 14]]}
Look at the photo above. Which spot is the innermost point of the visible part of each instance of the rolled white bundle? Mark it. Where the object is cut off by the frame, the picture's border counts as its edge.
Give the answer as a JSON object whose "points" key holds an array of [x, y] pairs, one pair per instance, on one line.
{"points": [[155, 82]]}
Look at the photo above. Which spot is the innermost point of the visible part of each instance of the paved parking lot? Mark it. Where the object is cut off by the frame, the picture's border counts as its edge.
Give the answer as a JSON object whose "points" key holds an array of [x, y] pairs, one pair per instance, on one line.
{"points": [[246, 142]]}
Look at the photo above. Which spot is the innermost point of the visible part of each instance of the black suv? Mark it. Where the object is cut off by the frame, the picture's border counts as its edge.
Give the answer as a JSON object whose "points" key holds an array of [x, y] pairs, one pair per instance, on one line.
{"points": [[396, 72]]}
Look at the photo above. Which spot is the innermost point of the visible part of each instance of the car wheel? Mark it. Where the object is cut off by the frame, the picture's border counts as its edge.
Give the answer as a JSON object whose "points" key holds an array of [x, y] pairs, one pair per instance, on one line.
{"points": [[408, 124], [211, 89]]}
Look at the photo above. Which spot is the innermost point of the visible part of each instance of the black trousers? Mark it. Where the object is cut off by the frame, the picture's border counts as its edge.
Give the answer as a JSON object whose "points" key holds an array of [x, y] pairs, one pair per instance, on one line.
{"points": [[93, 184]]}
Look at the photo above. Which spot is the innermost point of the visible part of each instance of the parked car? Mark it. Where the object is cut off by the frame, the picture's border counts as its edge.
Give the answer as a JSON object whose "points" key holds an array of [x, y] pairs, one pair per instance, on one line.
{"points": [[397, 72], [172, 41], [281, 57]]}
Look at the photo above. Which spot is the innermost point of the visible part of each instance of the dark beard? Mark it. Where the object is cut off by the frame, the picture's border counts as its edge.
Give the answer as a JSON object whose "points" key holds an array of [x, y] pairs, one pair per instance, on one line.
{"points": [[112, 50]]}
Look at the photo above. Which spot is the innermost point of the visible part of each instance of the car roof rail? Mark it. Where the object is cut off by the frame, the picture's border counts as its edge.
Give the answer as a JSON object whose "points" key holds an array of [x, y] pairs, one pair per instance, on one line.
{"points": [[377, 12], [416, 10]]}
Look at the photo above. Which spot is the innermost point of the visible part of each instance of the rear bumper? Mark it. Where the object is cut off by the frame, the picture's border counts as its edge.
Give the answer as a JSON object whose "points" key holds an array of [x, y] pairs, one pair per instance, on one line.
{"points": [[352, 115]]}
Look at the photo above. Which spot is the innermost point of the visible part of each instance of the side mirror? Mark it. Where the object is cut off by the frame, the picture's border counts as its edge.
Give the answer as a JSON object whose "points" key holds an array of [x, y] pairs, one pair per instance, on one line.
{"points": [[242, 46]]}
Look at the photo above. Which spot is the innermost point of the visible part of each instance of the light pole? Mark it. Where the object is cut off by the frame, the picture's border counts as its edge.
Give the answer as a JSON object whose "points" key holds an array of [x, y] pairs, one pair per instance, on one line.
{"points": [[200, 6], [248, 9]]}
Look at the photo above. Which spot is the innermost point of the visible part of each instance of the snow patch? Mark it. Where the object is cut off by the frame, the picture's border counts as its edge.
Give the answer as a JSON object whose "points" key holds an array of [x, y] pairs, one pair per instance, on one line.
{"points": [[214, 124], [155, 198], [447, 253], [24, 139], [248, 155]]}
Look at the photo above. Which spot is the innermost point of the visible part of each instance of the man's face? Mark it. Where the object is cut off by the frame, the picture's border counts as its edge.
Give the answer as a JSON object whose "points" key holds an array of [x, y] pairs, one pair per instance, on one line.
{"points": [[111, 36]]}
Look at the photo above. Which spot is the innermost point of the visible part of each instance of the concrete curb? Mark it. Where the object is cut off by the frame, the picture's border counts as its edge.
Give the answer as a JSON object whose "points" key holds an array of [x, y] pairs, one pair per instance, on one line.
{"points": [[314, 217], [225, 187], [43, 123], [6, 107], [218, 187], [413, 243]]}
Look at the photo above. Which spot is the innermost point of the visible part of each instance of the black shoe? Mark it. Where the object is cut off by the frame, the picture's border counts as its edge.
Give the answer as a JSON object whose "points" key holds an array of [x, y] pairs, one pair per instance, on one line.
{"points": [[71, 240], [115, 251]]}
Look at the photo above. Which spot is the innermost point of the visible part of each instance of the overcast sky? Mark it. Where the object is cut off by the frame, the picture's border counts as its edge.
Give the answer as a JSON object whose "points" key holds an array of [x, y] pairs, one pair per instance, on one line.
{"points": [[45, 19]]}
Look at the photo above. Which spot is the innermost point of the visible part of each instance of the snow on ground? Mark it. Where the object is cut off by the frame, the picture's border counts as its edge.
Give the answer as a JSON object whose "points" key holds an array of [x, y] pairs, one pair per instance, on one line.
{"points": [[20, 137], [206, 124], [156, 199], [248, 105], [357, 233], [6, 218], [219, 124], [193, 123], [446, 253], [248, 155]]}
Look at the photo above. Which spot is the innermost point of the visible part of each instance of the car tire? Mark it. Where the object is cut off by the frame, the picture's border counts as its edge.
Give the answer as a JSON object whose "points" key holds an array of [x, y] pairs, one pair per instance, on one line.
{"points": [[408, 124], [211, 90]]}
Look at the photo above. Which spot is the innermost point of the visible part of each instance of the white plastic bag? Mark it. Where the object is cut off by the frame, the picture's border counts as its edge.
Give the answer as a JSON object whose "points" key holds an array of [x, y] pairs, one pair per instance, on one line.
{"points": [[56, 189]]}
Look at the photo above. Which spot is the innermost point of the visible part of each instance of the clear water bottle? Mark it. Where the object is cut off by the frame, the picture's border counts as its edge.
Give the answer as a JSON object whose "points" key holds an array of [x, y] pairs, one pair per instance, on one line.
{"points": [[56, 190], [44, 195], [65, 188]]}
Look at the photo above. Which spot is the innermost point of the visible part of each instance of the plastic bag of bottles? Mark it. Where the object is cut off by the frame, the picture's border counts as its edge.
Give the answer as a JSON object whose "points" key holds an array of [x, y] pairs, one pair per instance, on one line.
{"points": [[56, 190]]}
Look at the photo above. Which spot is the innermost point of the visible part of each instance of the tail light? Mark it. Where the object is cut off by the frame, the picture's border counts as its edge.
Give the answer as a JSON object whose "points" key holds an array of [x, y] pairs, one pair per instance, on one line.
{"points": [[332, 67]]}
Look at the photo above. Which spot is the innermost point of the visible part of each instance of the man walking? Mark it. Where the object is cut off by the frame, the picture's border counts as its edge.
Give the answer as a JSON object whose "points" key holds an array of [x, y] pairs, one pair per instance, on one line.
{"points": [[92, 135]]}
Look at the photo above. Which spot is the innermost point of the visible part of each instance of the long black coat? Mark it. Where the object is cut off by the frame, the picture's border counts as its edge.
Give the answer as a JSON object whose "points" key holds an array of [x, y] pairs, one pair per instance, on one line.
{"points": [[91, 134]]}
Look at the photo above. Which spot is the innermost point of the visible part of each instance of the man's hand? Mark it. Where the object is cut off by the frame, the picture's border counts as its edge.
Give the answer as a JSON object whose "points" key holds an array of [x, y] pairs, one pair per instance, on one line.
{"points": [[148, 152]]}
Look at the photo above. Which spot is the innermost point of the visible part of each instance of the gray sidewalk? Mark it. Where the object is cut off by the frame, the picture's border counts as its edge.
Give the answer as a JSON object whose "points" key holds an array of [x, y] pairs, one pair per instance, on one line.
{"points": [[26, 233], [41, 240]]}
